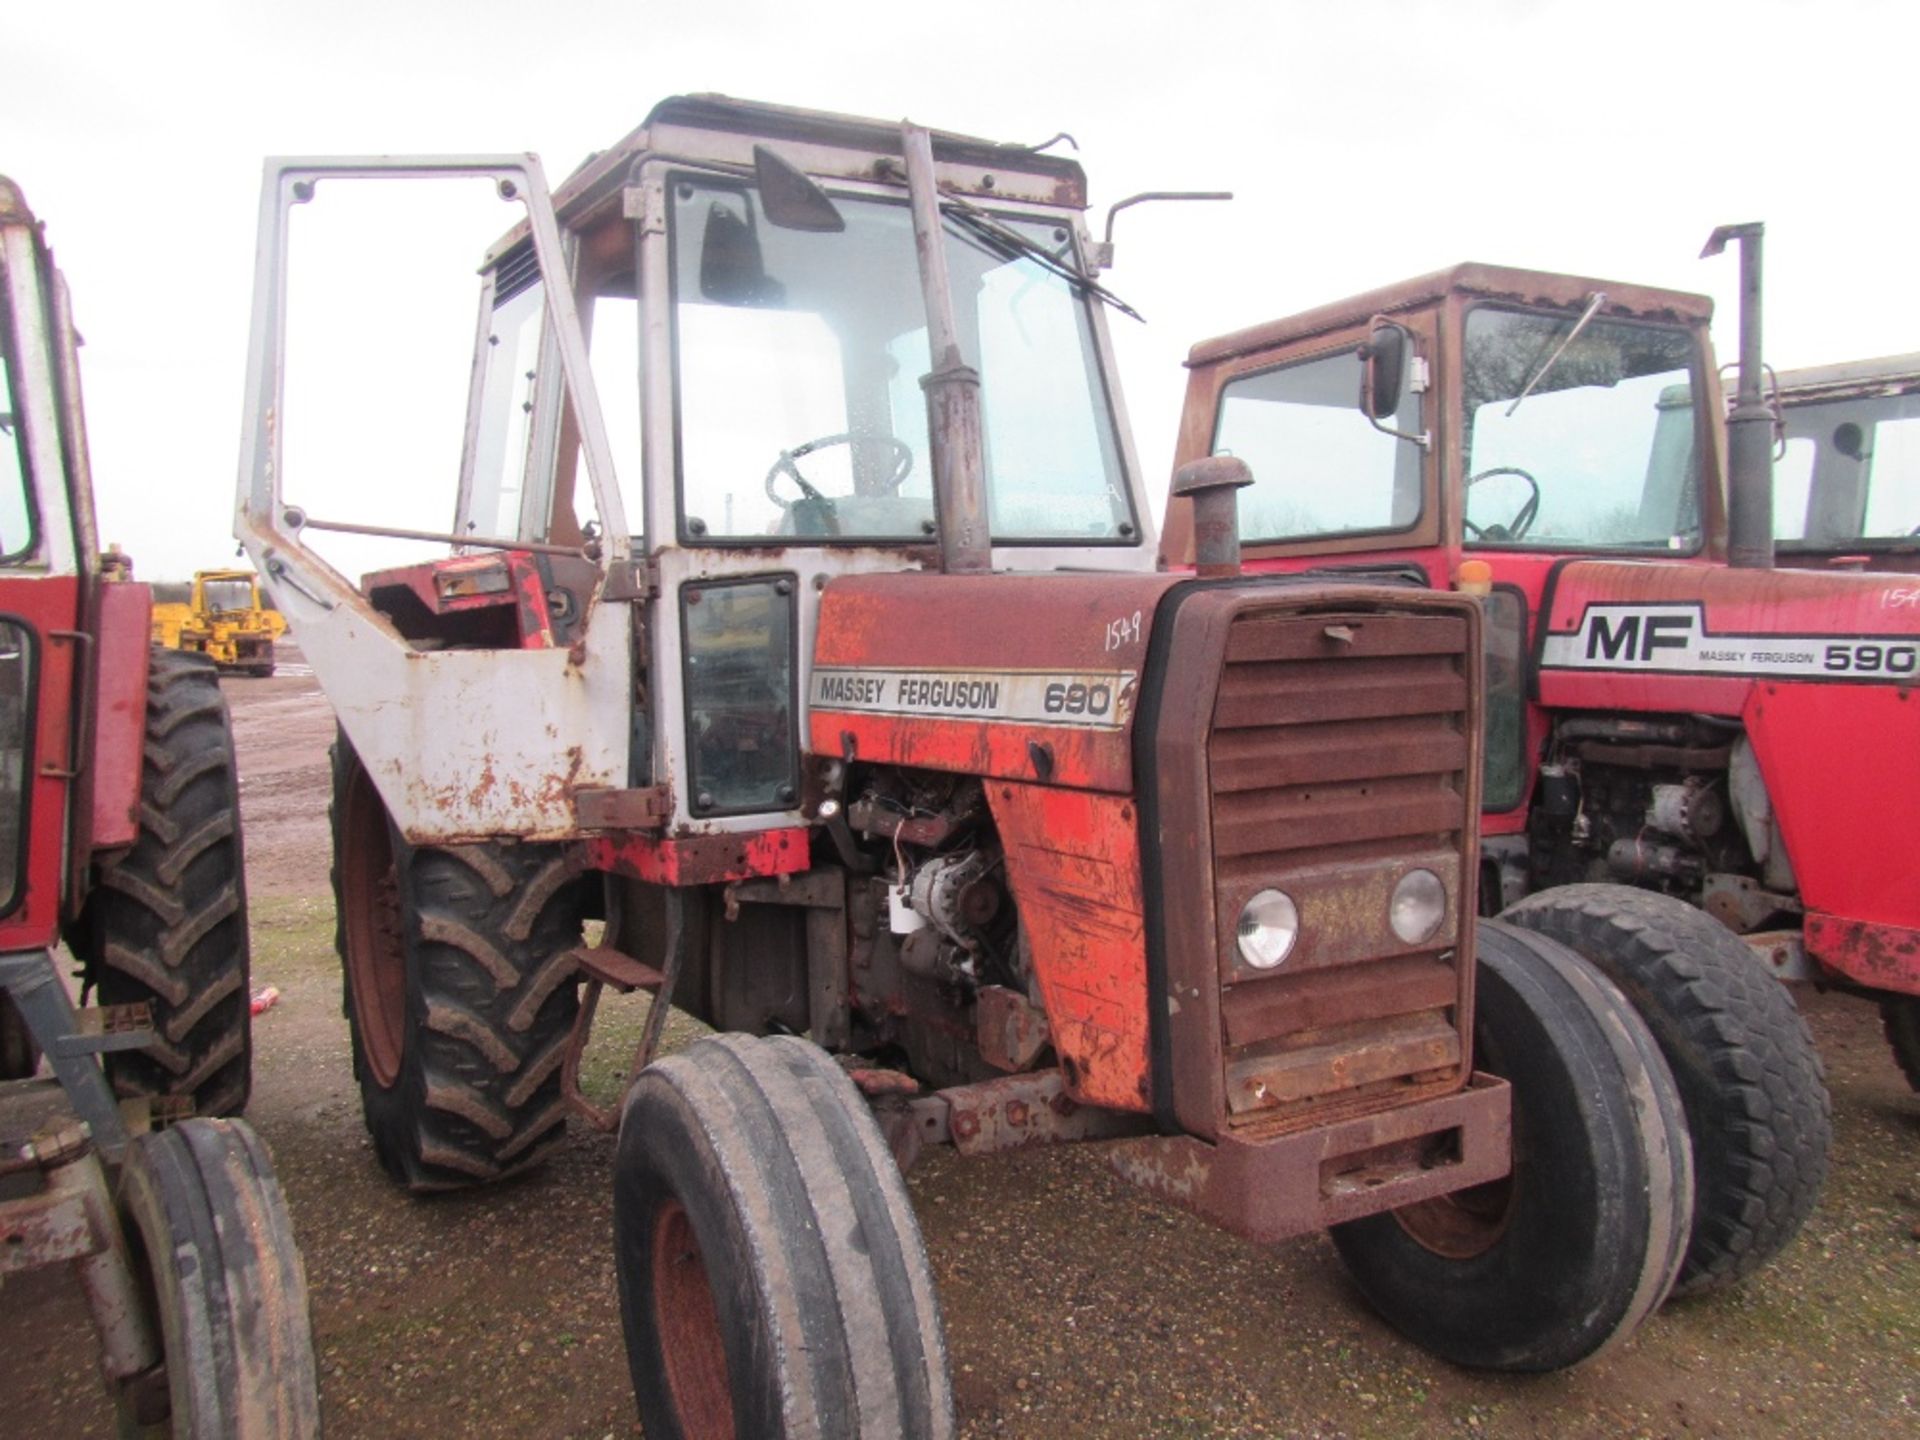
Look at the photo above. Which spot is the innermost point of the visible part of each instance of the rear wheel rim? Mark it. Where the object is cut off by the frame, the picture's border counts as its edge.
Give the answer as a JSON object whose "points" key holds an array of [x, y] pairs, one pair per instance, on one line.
{"points": [[376, 955], [692, 1351]]}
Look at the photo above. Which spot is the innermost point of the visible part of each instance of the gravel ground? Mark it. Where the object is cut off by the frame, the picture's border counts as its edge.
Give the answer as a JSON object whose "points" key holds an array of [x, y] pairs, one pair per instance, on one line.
{"points": [[1074, 1306]]}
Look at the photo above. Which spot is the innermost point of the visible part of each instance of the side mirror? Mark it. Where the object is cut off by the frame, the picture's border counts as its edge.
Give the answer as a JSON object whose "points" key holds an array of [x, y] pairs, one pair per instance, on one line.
{"points": [[1384, 373], [732, 269], [789, 197], [1387, 363]]}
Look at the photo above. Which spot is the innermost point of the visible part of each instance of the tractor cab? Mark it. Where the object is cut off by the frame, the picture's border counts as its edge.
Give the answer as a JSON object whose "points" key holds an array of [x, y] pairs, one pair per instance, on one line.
{"points": [[1502, 419], [1847, 472], [733, 391]]}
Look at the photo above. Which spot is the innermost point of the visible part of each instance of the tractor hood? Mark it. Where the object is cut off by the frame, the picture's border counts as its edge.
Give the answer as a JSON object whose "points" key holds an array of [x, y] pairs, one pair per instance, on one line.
{"points": [[1730, 628], [1018, 677]]}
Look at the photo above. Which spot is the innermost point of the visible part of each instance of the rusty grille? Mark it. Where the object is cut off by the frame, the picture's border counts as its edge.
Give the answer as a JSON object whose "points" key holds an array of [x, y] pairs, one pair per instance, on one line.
{"points": [[1338, 760]]}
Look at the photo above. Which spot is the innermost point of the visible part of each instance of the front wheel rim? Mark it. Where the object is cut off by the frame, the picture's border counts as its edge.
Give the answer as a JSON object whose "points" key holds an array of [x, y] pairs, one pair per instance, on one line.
{"points": [[692, 1351]]}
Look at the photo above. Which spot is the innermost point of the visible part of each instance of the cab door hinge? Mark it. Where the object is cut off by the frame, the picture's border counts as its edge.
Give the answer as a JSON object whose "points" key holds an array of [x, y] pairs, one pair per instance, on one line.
{"points": [[647, 203], [605, 808]]}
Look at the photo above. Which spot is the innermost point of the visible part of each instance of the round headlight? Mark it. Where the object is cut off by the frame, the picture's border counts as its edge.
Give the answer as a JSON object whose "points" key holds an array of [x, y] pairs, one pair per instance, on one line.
{"points": [[1419, 905], [1268, 927]]}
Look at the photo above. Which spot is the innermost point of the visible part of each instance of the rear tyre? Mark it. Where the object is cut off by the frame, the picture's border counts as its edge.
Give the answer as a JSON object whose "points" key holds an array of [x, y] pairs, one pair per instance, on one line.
{"points": [[1576, 1247], [213, 1254], [773, 1281], [459, 991], [1900, 1014], [167, 922], [1754, 1088]]}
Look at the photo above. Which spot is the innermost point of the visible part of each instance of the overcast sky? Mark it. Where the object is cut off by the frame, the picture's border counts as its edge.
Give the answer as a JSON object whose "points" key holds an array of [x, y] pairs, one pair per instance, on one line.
{"points": [[1367, 142]]}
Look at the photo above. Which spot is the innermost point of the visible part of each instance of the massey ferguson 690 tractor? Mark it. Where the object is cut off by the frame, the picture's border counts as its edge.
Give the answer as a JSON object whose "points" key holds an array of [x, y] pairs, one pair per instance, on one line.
{"points": [[840, 683], [1682, 742], [119, 831]]}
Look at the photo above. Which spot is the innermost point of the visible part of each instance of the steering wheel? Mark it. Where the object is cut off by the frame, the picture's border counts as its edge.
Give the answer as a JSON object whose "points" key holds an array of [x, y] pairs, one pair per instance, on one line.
{"points": [[900, 457], [1521, 523]]}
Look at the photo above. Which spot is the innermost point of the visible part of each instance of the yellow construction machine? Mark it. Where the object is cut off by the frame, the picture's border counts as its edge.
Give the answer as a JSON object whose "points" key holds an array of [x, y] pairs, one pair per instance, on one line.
{"points": [[225, 619]]}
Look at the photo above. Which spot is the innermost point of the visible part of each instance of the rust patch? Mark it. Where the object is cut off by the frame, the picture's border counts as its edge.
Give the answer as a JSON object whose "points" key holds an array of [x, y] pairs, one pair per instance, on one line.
{"points": [[701, 859], [1074, 864], [1884, 957], [1273, 1189], [1022, 1110], [1011, 1029]]}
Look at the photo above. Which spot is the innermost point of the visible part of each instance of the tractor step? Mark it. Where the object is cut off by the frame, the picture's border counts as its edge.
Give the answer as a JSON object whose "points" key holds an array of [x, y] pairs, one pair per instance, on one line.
{"points": [[98, 1029], [603, 966], [613, 967]]}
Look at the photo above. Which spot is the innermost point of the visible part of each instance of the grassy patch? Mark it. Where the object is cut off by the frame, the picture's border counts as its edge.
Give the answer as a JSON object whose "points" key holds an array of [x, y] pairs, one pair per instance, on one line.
{"points": [[292, 938], [617, 1027]]}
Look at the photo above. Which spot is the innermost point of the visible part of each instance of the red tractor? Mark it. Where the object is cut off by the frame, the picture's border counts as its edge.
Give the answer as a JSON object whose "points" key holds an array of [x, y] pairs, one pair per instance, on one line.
{"points": [[1684, 745], [120, 832], [838, 680]]}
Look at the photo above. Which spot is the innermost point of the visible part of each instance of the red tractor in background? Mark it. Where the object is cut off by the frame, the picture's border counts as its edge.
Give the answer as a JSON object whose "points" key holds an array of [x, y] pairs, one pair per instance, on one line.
{"points": [[1684, 744], [120, 832]]}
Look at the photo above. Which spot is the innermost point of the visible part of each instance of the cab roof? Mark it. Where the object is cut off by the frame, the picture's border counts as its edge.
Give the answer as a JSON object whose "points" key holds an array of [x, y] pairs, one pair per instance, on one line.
{"points": [[1480, 281], [720, 130], [1852, 380]]}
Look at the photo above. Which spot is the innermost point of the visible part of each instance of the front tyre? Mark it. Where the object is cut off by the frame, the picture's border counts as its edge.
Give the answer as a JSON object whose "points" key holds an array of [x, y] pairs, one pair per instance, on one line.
{"points": [[213, 1252], [773, 1282], [1576, 1247]]}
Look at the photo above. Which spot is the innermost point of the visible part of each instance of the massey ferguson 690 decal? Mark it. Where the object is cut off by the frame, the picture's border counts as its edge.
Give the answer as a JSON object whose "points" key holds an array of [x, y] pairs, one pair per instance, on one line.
{"points": [[1088, 700], [1675, 639]]}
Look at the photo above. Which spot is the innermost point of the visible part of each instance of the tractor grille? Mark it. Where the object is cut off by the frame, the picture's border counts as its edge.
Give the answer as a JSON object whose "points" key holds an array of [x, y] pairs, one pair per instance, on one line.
{"points": [[1338, 760]]}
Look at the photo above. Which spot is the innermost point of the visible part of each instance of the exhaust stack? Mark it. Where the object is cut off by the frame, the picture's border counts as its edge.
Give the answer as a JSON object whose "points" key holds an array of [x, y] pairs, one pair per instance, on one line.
{"points": [[1750, 426], [1209, 483]]}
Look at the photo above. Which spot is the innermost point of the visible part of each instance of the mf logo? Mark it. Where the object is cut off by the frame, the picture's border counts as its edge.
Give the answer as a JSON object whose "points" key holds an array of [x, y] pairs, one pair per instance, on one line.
{"points": [[1629, 635]]}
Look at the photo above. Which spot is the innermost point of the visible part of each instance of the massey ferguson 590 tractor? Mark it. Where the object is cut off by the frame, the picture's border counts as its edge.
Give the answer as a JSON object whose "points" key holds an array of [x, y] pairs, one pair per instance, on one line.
{"points": [[119, 831], [1682, 742], [839, 682]]}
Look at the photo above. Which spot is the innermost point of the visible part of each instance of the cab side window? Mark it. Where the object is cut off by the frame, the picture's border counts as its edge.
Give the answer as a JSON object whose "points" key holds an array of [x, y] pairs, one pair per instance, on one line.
{"points": [[1319, 465]]}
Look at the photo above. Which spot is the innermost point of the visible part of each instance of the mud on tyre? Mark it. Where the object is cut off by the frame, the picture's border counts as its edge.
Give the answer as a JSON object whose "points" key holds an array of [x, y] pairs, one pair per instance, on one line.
{"points": [[167, 922], [458, 992], [1752, 1082]]}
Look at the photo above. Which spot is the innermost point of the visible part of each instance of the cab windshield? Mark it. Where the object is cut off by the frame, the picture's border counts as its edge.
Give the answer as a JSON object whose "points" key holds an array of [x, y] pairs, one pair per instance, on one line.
{"points": [[228, 594], [1586, 443], [798, 359]]}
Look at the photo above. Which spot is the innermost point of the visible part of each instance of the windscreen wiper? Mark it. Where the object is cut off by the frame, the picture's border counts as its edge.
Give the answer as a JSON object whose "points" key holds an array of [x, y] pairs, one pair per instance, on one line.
{"points": [[1594, 302], [1006, 238]]}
